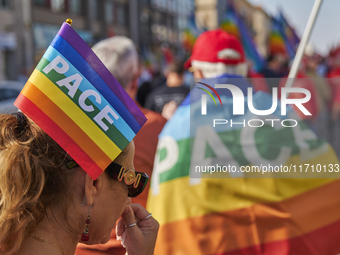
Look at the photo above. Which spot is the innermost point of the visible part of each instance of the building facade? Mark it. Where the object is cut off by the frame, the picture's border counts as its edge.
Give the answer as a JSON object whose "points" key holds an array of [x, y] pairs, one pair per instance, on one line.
{"points": [[160, 23], [27, 27], [258, 23], [8, 41], [92, 19], [209, 14]]}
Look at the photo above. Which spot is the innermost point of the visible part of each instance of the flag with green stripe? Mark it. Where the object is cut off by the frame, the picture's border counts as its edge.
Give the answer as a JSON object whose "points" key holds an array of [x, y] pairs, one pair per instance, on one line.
{"points": [[74, 98]]}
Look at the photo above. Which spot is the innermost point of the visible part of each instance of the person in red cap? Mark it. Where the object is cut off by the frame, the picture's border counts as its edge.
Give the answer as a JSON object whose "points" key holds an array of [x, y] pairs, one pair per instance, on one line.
{"points": [[215, 54], [216, 57]]}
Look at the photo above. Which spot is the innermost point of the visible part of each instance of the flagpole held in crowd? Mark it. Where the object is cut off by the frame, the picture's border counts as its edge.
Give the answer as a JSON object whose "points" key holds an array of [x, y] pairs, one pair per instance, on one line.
{"points": [[301, 49]]}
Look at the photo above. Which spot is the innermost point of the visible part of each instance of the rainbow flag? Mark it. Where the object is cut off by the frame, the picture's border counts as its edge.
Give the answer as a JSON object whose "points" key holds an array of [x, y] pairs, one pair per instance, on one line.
{"points": [[76, 100], [188, 39], [292, 37], [278, 42], [234, 25], [148, 58], [241, 215], [190, 33], [229, 25]]}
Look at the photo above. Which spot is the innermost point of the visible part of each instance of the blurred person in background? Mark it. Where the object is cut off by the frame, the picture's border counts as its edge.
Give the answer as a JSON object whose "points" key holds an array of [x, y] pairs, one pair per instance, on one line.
{"points": [[322, 92], [145, 74], [274, 66], [172, 91], [120, 57], [334, 103], [257, 79], [322, 68], [157, 79], [334, 78], [311, 61], [273, 70]]}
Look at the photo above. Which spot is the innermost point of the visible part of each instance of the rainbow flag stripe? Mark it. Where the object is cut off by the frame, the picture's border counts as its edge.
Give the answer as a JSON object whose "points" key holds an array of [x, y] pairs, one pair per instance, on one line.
{"points": [[251, 228], [76, 100], [278, 41], [233, 24], [231, 28], [190, 33], [188, 39]]}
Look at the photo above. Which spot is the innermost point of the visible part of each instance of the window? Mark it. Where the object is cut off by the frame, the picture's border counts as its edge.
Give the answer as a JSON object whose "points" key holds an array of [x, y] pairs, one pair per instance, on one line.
{"points": [[160, 4], [75, 6], [57, 5], [163, 4], [172, 4], [121, 14], [41, 2], [182, 23], [8, 93], [94, 9], [154, 2], [4, 4], [109, 12]]}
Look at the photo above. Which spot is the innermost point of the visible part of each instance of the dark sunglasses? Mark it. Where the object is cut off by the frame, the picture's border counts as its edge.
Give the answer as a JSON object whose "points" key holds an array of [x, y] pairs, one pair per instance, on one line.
{"points": [[135, 181]]}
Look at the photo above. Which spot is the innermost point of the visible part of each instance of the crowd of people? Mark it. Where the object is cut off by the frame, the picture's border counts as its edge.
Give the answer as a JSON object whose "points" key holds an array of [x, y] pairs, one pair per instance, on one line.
{"points": [[242, 215], [319, 74], [43, 201]]}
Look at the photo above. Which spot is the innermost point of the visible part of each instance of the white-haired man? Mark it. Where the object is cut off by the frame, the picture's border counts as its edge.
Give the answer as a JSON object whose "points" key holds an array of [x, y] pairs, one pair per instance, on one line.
{"points": [[120, 57]]}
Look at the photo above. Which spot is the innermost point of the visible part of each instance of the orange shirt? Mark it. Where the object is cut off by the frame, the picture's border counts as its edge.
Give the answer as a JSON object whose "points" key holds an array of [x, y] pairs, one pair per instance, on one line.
{"points": [[146, 144]]}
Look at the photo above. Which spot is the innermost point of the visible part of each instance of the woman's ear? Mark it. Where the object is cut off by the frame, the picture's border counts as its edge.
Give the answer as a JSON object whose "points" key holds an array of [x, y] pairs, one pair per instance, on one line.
{"points": [[91, 189]]}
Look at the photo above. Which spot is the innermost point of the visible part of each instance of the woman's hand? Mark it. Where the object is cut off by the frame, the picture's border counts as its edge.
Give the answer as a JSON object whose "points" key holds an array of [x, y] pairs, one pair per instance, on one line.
{"points": [[169, 109], [139, 238]]}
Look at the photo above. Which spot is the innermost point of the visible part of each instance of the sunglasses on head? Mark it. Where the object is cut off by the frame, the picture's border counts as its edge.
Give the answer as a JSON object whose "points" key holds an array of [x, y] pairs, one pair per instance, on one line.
{"points": [[135, 181]]}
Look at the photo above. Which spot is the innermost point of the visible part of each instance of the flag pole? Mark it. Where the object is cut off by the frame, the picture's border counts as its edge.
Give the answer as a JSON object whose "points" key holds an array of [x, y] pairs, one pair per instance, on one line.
{"points": [[301, 49]]}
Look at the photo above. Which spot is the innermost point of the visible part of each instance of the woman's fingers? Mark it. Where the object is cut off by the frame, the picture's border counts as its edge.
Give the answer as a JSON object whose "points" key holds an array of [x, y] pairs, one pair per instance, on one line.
{"points": [[139, 211], [128, 217], [120, 228], [137, 229]]}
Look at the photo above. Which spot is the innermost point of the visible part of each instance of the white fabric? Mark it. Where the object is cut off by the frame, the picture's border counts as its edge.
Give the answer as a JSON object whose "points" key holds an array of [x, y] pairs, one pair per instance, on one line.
{"points": [[211, 70]]}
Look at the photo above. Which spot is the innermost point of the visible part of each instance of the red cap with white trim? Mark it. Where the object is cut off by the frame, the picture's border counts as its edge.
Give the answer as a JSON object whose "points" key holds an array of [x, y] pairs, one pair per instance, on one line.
{"points": [[217, 46]]}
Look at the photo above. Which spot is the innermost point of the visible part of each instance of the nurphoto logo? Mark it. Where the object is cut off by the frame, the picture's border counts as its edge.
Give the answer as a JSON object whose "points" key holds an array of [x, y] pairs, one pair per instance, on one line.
{"points": [[204, 97], [240, 100]]}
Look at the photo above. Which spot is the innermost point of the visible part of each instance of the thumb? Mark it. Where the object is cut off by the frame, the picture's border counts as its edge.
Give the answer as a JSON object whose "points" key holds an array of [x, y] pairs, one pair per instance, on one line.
{"points": [[128, 217]]}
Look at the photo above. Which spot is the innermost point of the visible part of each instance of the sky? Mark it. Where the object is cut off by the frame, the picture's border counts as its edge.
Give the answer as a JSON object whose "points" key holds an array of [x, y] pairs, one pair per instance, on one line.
{"points": [[326, 31]]}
